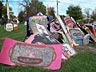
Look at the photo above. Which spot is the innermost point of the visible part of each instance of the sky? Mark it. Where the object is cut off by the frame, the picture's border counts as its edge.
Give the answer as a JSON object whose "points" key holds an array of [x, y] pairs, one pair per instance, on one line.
{"points": [[62, 5]]}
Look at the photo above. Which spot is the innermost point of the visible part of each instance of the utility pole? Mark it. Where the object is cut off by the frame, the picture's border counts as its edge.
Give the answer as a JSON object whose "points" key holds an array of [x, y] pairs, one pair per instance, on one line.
{"points": [[8, 11], [47, 10], [57, 7]]}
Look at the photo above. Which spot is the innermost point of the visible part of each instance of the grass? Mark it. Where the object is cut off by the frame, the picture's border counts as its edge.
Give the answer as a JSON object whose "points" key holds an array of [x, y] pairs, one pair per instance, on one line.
{"points": [[93, 44], [17, 34], [83, 61]]}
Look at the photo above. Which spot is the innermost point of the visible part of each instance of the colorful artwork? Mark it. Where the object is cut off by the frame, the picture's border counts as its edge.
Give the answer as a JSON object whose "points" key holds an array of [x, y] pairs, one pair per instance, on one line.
{"points": [[19, 53], [41, 39], [64, 30], [38, 19], [67, 51], [64, 37], [54, 27], [9, 27], [15, 26], [86, 39], [68, 22], [38, 28], [41, 29], [76, 35], [31, 55]]}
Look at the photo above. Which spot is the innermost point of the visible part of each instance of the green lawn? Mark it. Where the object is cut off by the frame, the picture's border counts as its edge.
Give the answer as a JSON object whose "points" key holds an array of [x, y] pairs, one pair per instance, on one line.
{"points": [[93, 44], [83, 61], [17, 34]]}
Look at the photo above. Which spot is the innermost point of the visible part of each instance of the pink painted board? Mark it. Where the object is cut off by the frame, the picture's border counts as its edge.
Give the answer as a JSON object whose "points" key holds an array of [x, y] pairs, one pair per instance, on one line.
{"points": [[5, 57]]}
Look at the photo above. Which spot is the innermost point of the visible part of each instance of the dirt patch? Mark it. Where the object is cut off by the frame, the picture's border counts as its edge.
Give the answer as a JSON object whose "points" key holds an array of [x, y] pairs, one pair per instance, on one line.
{"points": [[86, 48]]}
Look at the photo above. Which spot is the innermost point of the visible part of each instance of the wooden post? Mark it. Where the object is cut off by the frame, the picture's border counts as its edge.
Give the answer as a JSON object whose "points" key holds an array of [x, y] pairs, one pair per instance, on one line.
{"points": [[65, 30]]}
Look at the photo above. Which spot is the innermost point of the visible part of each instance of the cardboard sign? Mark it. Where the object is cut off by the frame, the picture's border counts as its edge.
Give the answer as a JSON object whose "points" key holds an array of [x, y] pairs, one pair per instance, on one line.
{"points": [[92, 37], [15, 27], [68, 21], [41, 29], [64, 39], [67, 51], [38, 19], [76, 35], [24, 54], [37, 28], [86, 39], [54, 27], [43, 39], [19, 53], [41, 20], [64, 30], [9, 27]]}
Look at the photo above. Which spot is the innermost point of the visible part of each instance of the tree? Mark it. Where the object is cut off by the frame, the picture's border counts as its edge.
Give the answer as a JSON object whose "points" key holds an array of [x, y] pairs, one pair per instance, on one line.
{"points": [[93, 16], [1, 9], [87, 12], [32, 7], [41, 8], [1, 12], [51, 11], [75, 12], [21, 16]]}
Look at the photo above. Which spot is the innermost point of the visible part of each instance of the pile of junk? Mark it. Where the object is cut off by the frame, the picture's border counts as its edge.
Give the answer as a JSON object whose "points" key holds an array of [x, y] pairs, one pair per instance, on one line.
{"points": [[48, 42]]}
